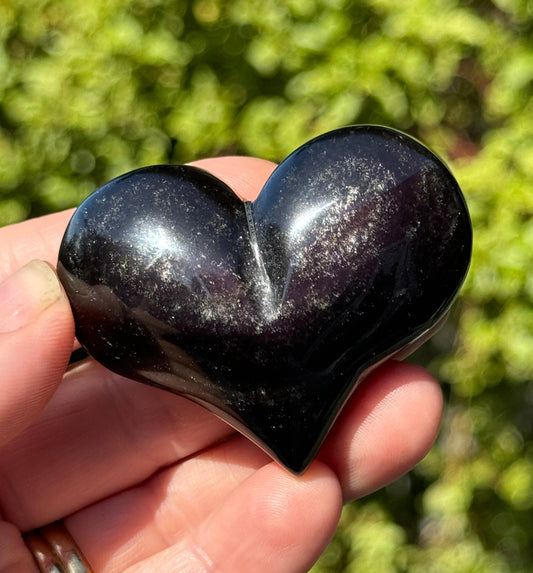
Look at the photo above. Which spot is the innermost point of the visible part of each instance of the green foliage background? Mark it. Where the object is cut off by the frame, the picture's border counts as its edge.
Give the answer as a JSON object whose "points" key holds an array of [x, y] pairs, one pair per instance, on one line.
{"points": [[89, 90]]}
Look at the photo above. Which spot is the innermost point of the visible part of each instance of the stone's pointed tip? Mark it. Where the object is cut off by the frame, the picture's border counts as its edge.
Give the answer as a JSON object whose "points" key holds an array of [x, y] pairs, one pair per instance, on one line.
{"points": [[296, 463], [297, 469]]}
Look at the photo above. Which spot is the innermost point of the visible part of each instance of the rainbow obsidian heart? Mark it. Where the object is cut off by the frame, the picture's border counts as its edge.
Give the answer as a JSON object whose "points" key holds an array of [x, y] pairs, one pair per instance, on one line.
{"points": [[269, 312]]}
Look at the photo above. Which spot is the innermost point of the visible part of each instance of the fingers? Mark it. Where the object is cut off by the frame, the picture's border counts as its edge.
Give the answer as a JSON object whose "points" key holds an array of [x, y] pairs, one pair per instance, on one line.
{"points": [[99, 434], [387, 427], [384, 430], [36, 336], [224, 510], [135, 524], [284, 531]]}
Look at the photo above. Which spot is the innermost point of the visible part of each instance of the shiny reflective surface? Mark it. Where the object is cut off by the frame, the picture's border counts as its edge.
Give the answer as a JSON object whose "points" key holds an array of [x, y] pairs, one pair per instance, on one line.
{"points": [[269, 312]]}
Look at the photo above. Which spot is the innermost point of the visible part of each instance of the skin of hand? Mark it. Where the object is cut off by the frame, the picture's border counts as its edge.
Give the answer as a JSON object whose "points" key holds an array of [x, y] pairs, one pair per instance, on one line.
{"points": [[148, 481]]}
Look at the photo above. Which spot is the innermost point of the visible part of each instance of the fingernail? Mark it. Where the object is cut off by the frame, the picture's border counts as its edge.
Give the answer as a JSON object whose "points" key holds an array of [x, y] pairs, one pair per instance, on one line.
{"points": [[27, 293]]}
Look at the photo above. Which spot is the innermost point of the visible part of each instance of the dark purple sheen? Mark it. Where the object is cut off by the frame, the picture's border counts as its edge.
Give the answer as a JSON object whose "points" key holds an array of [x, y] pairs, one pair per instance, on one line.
{"points": [[270, 312]]}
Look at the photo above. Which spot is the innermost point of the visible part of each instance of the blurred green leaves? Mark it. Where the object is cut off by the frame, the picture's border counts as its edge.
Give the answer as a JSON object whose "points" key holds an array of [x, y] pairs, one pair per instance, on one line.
{"points": [[139, 82], [91, 90]]}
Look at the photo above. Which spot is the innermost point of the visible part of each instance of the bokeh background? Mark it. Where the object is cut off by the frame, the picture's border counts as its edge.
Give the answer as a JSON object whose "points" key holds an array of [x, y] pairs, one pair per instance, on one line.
{"points": [[89, 90]]}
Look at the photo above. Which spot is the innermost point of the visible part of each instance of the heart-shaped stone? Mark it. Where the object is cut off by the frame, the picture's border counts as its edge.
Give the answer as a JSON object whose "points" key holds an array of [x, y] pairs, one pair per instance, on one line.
{"points": [[269, 312]]}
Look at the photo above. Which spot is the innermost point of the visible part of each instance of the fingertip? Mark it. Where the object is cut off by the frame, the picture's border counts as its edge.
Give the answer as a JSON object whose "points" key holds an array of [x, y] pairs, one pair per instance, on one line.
{"points": [[244, 175], [315, 497], [27, 293], [387, 427], [280, 522]]}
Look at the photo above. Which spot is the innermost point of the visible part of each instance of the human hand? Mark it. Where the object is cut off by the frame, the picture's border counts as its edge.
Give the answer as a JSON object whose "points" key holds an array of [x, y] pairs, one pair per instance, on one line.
{"points": [[147, 481]]}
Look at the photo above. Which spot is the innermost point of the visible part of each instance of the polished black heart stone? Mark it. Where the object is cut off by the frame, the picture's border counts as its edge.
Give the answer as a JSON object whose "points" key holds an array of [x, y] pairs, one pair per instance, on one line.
{"points": [[269, 312]]}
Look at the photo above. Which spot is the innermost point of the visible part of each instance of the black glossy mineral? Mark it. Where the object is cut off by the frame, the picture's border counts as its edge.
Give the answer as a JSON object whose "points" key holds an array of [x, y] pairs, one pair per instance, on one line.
{"points": [[269, 312]]}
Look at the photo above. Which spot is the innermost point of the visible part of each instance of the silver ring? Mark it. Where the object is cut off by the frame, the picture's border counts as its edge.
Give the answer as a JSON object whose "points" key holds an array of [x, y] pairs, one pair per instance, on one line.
{"points": [[54, 550]]}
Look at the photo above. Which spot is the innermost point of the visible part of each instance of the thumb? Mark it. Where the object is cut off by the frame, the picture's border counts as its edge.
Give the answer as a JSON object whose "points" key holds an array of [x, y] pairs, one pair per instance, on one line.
{"points": [[36, 339]]}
